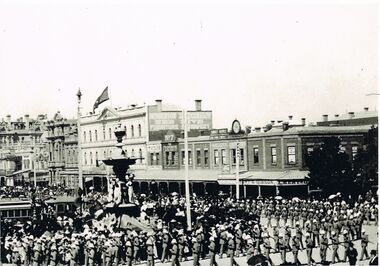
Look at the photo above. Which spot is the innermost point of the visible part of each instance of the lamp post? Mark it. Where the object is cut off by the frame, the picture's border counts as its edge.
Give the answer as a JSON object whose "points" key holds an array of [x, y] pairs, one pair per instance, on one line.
{"points": [[187, 184], [79, 159]]}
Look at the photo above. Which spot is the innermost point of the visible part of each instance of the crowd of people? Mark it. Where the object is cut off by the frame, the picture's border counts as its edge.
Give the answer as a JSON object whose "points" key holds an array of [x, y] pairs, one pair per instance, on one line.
{"points": [[41, 192], [221, 227]]}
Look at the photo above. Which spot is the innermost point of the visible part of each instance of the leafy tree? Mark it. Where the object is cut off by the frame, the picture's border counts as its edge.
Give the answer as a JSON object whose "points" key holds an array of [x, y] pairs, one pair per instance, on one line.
{"points": [[365, 164], [330, 168]]}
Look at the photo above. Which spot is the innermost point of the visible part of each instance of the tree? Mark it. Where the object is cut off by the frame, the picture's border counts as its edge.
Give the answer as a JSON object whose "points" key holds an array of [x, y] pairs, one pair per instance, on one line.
{"points": [[365, 164], [330, 168]]}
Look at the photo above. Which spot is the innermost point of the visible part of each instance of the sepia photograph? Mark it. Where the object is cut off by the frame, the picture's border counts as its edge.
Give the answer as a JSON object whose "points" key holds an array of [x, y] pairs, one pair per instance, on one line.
{"points": [[194, 133]]}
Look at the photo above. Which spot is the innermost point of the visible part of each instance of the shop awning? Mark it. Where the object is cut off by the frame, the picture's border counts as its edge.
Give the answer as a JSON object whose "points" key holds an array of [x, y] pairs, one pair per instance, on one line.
{"points": [[176, 175], [268, 178]]}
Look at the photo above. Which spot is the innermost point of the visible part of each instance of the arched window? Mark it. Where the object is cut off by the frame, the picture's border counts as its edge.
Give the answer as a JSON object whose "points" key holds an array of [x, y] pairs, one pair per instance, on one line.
{"points": [[139, 130], [68, 159], [91, 158], [96, 157], [132, 131], [133, 153], [110, 133], [89, 133], [104, 155], [125, 129], [85, 158], [96, 135], [84, 136]]}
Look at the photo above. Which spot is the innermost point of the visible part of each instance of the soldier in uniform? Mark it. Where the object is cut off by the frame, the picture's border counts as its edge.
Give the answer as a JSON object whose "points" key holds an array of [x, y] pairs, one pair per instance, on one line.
{"points": [[364, 244], [299, 234], [174, 252], [315, 230], [196, 250], [257, 237], [231, 249], [136, 247], [346, 244], [165, 245], [53, 261], [323, 246], [267, 247], [287, 236], [16, 258], [222, 241], [212, 251], [309, 249], [276, 237], [150, 253], [296, 246], [335, 245], [277, 215], [282, 247], [181, 245], [128, 253], [37, 253], [238, 237]]}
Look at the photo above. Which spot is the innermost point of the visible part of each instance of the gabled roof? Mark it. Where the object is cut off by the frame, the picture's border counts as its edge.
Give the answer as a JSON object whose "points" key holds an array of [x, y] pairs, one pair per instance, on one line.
{"points": [[108, 112]]}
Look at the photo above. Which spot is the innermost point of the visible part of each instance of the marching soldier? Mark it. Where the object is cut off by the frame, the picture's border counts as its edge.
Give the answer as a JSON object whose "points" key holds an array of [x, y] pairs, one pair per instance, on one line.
{"points": [[196, 250], [174, 252], [181, 245], [309, 249], [287, 235], [267, 247], [165, 244], [323, 246], [364, 244], [222, 241], [150, 253], [346, 244], [282, 247], [315, 230], [53, 261], [231, 249], [335, 246], [238, 237], [136, 247], [296, 246], [256, 234], [37, 253], [212, 251], [276, 237]]}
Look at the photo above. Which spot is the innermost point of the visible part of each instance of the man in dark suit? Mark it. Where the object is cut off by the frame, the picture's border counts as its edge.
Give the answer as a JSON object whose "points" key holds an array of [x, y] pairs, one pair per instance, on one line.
{"points": [[373, 259]]}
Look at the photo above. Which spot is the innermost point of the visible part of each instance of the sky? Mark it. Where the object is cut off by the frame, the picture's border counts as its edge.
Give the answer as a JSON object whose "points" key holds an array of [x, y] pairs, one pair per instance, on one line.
{"points": [[250, 60]]}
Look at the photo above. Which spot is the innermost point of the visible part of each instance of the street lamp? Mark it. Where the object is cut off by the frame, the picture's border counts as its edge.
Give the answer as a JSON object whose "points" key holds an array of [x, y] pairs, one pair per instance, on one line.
{"points": [[79, 159]]}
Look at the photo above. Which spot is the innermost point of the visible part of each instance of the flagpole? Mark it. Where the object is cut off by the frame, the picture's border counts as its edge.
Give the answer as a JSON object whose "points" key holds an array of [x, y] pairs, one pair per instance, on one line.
{"points": [[187, 185], [79, 159]]}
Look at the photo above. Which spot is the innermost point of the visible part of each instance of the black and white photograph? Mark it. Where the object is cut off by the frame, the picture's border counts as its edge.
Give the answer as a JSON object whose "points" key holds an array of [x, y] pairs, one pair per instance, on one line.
{"points": [[194, 133]]}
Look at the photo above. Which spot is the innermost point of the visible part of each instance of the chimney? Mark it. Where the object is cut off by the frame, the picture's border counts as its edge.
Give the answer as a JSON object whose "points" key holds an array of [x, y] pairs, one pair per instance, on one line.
{"points": [[336, 115], [290, 117], [366, 109], [9, 121], [257, 129], [303, 121], [248, 129], [272, 122], [268, 127], [351, 114], [279, 121], [26, 121], [325, 118], [285, 126], [159, 105], [198, 105]]}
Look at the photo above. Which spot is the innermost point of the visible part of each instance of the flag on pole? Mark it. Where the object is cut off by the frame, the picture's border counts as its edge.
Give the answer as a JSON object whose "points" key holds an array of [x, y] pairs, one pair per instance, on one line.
{"points": [[102, 98]]}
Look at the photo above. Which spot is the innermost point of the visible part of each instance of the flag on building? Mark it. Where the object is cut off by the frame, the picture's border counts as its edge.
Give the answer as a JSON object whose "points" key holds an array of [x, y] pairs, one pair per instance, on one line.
{"points": [[102, 98]]}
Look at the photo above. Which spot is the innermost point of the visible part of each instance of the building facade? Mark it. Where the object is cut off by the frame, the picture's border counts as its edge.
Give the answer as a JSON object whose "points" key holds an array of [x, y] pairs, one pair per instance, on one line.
{"points": [[62, 146], [23, 153]]}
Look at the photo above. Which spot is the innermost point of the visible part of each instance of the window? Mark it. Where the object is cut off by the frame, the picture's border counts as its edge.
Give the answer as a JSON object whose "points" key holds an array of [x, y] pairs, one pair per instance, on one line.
{"points": [[233, 156], [172, 157], [167, 158], [199, 162], [224, 157], [104, 133], [89, 133], [241, 156], [206, 156], [152, 158], [96, 135], [291, 154], [125, 130], [183, 157], [133, 153], [96, 157], [110, 133], [190, 158], [139, 130], [85, 158], [255, 155], [132, 132], [104, 155], [140, 155], [157, 158], [354, 150], [241, 161], [84, 136], [90, 158], [274, 155], [216, 157]]}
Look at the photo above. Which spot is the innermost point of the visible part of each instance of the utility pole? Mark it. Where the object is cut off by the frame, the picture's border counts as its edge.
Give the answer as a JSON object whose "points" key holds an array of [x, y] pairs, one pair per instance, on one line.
{"points": [[187, 185], [79, 159]]}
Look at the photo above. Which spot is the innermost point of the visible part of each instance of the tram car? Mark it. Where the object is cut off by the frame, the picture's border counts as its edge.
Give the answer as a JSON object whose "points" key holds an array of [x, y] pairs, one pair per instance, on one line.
{"points": [[16, 209]]}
